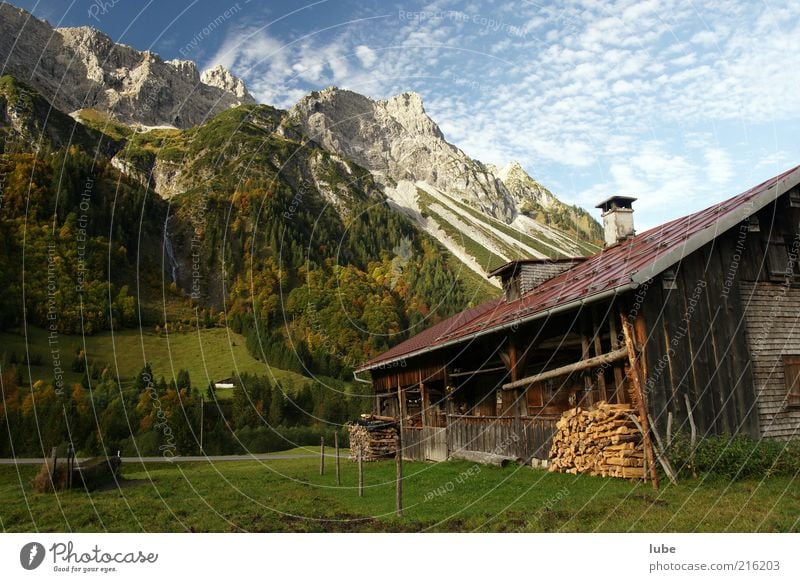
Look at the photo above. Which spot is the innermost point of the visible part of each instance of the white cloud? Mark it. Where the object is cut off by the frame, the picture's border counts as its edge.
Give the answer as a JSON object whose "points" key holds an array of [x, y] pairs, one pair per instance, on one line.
{"points": [[660, 99], [719, 166], [706, 38], [366, 55]]}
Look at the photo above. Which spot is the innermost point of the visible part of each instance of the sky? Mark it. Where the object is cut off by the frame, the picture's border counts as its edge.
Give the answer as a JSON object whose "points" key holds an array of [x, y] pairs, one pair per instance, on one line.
{"points": [[681, 103]]}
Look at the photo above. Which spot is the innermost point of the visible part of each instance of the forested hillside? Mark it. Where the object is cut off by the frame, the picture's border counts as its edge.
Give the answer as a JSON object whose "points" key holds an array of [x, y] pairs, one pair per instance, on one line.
{"points": [[286, 244]]}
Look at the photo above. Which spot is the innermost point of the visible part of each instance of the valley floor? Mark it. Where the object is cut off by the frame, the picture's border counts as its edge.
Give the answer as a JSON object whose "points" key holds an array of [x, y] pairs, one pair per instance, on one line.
{"points": [[208, 354], [288, 495]]}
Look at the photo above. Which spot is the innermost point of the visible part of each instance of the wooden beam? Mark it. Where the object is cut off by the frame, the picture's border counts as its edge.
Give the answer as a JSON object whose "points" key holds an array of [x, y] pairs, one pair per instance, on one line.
{"points": [[478, 371], [639, 396], [619, 377], [585, 355], [423, 397], [401, 401], [598, 349], [607, 358], [569, 340]]}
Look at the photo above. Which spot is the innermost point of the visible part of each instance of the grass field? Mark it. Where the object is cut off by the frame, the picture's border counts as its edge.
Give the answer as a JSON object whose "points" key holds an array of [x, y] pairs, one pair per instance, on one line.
{"points": [[290, 495], [207, 354]]}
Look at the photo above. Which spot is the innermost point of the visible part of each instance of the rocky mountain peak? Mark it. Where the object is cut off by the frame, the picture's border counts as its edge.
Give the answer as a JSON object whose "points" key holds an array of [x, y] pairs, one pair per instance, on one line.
{"points": [[512, 170], [407, 109], [396, 140], [223, 79], [82, 67]]}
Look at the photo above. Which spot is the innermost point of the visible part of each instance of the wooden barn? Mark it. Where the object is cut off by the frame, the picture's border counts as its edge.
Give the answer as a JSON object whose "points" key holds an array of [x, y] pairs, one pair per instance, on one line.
{"points": [[709, 302]]}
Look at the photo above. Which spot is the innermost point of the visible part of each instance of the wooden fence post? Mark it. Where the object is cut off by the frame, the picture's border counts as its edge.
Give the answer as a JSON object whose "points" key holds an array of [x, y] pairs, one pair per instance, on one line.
{"points": [[399, 476], [70, 464], [322, 455], [54, 457], [360, 472], [336, 446]]}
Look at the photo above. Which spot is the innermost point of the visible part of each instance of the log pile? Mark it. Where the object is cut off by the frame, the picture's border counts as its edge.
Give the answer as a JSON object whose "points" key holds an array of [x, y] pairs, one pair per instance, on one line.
{"points": [[372, 436], [603, 441]]}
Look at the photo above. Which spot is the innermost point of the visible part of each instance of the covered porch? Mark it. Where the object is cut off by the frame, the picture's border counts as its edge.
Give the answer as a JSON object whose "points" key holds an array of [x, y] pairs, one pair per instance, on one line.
{"points": [[504, 392]]}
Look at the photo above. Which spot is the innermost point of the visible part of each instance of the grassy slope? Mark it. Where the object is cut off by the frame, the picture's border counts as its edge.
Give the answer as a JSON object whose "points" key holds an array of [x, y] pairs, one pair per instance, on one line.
{"points": [[208, 354], [289, 495]]}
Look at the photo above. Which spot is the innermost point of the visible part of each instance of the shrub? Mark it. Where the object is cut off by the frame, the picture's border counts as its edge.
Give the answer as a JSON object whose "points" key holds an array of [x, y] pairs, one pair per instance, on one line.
{"points": [[44, 481], [737, 457], [263, 439]]}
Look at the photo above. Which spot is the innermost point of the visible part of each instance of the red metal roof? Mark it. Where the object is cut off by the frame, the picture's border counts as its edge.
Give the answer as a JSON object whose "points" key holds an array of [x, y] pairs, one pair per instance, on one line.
{"points": [[623, 265]]}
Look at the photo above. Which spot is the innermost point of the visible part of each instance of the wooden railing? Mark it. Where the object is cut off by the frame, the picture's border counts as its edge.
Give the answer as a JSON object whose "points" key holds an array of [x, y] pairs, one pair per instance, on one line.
{"points": [[524, 438]]}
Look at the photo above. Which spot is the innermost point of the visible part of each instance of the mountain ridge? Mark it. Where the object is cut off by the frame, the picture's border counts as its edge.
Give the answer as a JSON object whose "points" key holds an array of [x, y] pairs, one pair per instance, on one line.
{"points": [[82, 67], [480, 213]]}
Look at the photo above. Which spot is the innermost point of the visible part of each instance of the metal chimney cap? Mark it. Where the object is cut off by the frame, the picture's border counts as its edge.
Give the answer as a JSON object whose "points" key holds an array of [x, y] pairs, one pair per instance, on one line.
{"points": [[617, 202]]}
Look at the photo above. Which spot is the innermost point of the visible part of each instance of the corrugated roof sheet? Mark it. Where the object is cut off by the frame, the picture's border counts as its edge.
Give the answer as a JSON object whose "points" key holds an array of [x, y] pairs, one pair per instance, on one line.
{"points": [[629, 262]]}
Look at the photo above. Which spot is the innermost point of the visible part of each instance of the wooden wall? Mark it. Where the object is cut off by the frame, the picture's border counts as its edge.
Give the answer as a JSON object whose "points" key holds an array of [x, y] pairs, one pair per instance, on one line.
{"points": [[696, 345], [712, 321], [773, 330]]}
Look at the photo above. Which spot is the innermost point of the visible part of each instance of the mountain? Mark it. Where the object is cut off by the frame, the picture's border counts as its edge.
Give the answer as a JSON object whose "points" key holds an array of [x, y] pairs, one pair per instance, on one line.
{"points": [[258, 228], [483, 215], [79, 68], [537, 202], [243, 214]]}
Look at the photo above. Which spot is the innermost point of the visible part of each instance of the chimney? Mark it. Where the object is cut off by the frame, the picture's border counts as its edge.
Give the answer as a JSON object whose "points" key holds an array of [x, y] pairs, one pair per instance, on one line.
{"points": [[617, 218]]}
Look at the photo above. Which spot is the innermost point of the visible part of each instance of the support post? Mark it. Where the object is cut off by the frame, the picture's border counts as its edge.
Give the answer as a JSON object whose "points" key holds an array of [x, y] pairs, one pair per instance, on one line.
{"points": [[401, 400], [70, 464], [322, 455], [423, 396], [585, 355], [360, 473], [202, 411], [54, 462], [598, 349], [639, 397], [336, 446], [399, 476], [619, 388]]}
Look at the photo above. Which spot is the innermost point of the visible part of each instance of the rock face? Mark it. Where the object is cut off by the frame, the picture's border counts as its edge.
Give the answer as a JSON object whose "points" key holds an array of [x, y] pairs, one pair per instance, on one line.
{"points": [[397, 141], [77, 68], [522, 187], [466, 205]]}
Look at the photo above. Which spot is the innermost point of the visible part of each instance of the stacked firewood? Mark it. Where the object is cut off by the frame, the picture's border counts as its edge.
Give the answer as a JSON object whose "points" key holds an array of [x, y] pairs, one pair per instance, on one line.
{"points": [[603, 441], [373, 437]]}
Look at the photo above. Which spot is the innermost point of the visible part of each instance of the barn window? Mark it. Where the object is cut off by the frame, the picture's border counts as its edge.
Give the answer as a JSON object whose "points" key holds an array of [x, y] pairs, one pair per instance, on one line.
{"points": [[782, 260], [791, 371], [794, 198]]}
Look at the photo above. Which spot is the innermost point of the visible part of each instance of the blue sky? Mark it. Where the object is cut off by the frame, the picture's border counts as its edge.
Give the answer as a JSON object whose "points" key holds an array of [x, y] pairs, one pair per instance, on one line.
{"points": [[679, 102]]}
